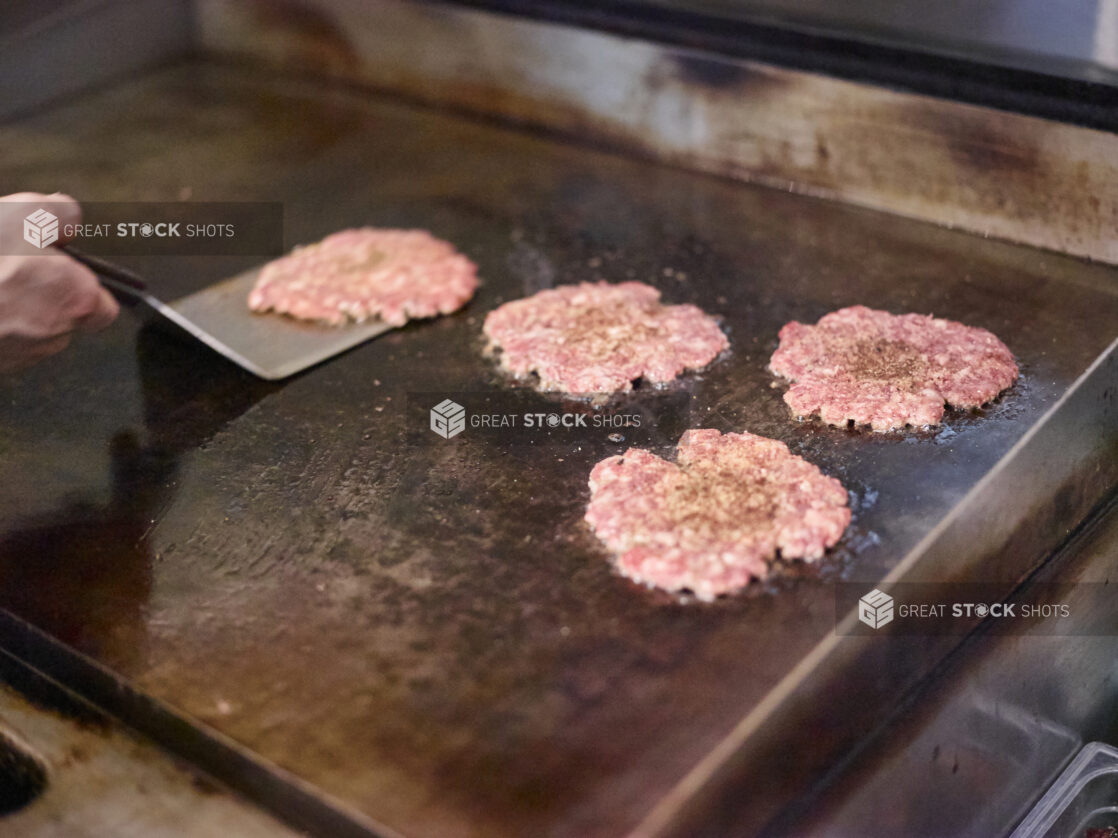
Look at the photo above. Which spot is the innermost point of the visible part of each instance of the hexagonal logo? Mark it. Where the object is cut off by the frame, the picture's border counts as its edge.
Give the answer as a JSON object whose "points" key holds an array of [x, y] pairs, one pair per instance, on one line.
{"points": [[40, 228], [448, 419], [875, 609]]}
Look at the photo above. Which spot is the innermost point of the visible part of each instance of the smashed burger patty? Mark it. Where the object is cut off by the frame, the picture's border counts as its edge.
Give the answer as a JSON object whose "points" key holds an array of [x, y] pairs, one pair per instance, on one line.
{"points": [[886, 370], [397, 275], [599, 338], [718, 516]]}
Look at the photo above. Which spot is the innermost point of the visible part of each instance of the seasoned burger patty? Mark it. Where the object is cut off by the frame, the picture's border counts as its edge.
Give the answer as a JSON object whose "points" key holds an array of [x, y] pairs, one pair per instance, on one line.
{"points": [[396, 275], [716, 518], [886, 370], [599, 338]]}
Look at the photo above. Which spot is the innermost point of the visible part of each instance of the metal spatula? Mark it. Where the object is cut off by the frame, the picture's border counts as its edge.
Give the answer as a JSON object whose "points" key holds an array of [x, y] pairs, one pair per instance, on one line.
{"points": [[267, 345]]}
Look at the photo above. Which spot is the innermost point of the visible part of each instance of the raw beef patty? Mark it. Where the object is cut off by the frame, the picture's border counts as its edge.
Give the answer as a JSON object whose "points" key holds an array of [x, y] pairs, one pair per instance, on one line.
{"points": [[396, 275], [886, 370], [716, 518], [599, 338]]}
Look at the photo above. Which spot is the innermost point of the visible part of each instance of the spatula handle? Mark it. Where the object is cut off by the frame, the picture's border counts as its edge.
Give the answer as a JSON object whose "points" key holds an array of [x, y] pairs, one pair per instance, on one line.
{"points": [[105, 268]]}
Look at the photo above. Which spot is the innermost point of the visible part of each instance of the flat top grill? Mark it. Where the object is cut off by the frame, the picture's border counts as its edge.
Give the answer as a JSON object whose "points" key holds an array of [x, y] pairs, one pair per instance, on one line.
{"points": [[429, 633]]}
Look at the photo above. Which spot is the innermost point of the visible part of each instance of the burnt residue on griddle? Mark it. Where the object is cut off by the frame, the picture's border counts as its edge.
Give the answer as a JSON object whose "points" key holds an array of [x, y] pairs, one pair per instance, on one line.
{"points": [[709, 71], [976, 139], [22, 777], [47, 695], [308, 37], [705, 74]]}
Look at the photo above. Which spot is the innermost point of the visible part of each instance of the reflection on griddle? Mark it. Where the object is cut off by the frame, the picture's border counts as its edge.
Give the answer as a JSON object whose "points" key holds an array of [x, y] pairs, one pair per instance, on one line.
{"points": [[83, 573]]}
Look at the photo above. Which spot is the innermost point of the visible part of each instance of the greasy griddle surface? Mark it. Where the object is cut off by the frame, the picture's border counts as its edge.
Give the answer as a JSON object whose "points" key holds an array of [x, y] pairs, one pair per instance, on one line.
{"points": [[429, 632]]}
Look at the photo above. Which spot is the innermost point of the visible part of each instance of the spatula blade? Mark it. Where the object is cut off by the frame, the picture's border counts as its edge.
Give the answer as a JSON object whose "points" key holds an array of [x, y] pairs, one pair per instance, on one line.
{"points": [[268, 345]]}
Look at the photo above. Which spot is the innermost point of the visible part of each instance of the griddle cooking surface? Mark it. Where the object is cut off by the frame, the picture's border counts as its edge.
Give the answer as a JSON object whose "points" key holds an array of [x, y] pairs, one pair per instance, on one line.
{"points": [[429, 633]]}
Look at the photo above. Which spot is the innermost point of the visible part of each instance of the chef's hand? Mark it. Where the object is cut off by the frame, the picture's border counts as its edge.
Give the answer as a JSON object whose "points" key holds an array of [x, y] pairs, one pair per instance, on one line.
{"points": [[45, 296]]}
